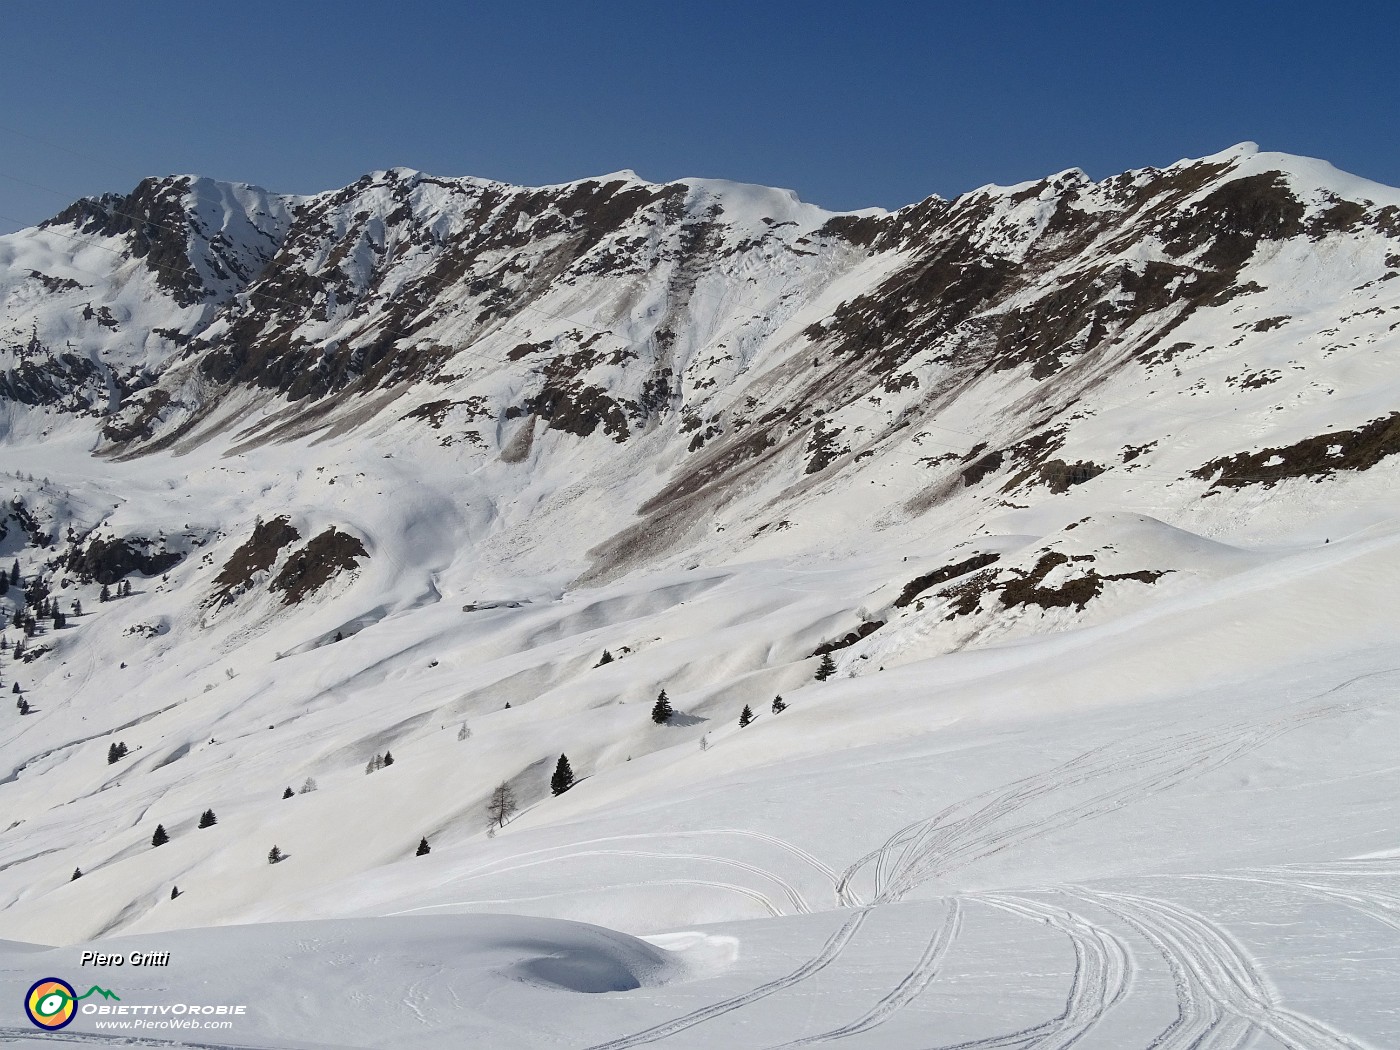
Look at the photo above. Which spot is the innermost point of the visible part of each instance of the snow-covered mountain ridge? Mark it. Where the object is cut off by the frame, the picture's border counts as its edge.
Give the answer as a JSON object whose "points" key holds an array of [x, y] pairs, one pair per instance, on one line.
{"points": [[1085, 487]]}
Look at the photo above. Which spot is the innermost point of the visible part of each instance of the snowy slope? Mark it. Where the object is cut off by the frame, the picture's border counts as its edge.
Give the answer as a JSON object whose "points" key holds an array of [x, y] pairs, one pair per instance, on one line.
{"points": [[1087, 488]]}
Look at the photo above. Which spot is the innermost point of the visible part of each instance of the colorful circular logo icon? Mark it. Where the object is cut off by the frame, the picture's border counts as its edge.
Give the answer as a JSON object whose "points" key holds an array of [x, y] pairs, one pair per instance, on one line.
{"points": [[51, 1003]]}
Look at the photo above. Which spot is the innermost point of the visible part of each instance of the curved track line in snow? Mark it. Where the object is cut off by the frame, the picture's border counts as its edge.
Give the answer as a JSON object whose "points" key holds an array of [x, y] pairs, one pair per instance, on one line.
{"points": [[912, 984], [1221, 981], [834, 946], [797, 851], [798, 902], [1381, 906], [753, 895], [507, 863], [1102, 969], [982, 825]]}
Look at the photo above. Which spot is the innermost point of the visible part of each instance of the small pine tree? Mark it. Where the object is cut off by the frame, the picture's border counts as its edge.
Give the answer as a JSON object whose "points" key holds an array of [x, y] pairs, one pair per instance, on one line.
{"points": [[388, 758], [606, 658], [77, 874], [275, 855], [14, 573], [423, 848], [174, 892], [308, 785], [23, 707], [207, 819], [77, 607], [112, 755], [339, 637], [705, 742], [563, 778], [287, 793], [662, 711], [779, 705], [464, 732], [826, 668], [160, 838], [745, 716], [105, 595]]}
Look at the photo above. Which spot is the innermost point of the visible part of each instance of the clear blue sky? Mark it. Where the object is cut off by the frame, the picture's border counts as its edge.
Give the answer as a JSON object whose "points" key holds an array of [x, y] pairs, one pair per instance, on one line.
{"points": [[850, 104]]}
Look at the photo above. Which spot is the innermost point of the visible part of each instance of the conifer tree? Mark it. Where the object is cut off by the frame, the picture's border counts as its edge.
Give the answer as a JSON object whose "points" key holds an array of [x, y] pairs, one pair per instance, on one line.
{"points": [[24, 707], [779, 705], [662, 711], [308, 785], [287, 793], [104, 595], [388, 758], [14, 573], [464, 732], [745, 716], [423, 848], [606, 658], [174, 892], [77, 874], [502, 805], [274, 854], [207, 819], [160, 838], [827, 668], [563, 778]]}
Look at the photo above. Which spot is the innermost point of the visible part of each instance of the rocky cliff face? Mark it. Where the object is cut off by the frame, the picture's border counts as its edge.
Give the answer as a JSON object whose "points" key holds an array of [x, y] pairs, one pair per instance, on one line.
{"points": [[1015, 341]]}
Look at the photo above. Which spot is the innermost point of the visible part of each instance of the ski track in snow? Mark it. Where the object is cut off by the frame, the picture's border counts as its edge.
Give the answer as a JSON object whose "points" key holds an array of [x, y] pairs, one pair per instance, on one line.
{"points": [[1102, 971], [1219, 987], [912, 984], [794, 896], [1379, 905], [1215, 1011], [753, 895], [830, 951], [966, 831]]}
